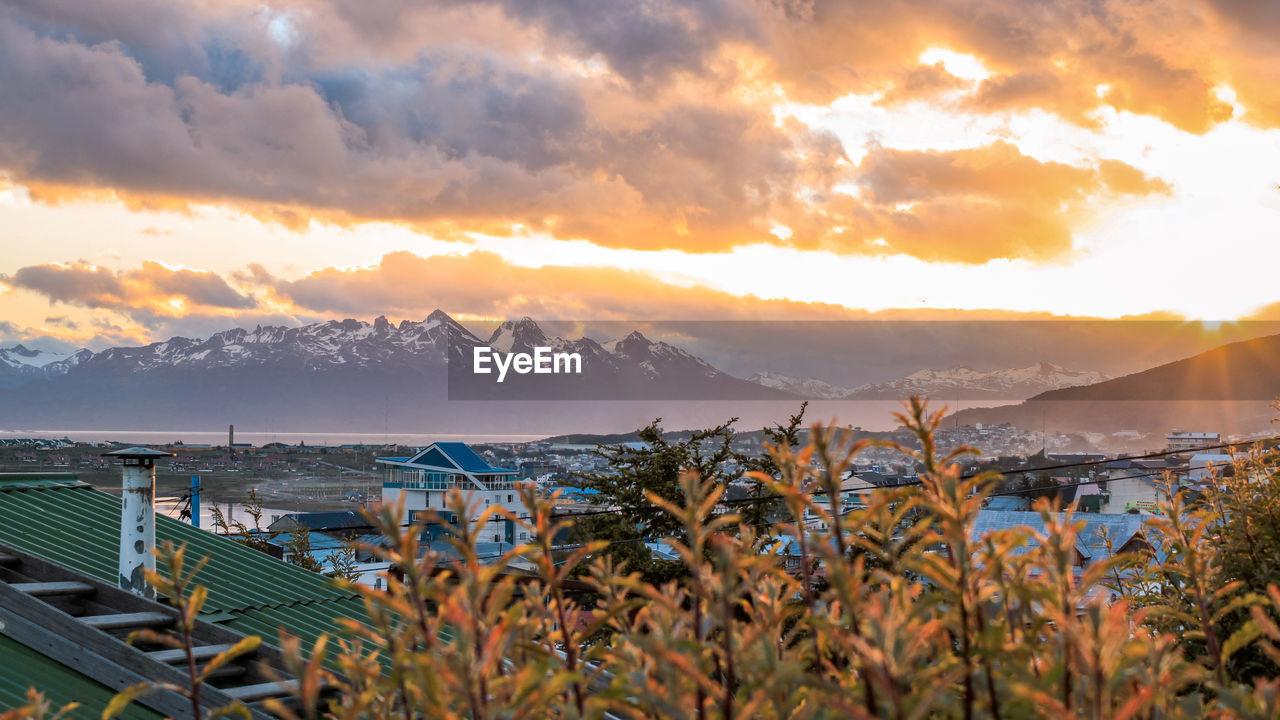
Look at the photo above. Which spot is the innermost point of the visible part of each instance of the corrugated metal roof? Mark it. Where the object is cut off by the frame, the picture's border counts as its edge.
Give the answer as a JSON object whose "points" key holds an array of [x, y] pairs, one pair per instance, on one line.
{"points": [[18, 480], [1120, 528], [467, 459], [316, 540], [24, 668], [74, 525], [307, 621], [78, 527], [333, 520], [1008, 502]]}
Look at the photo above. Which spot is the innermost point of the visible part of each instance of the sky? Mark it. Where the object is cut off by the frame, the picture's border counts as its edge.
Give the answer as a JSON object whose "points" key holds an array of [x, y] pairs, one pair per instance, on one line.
{"points": [[177, 168]]}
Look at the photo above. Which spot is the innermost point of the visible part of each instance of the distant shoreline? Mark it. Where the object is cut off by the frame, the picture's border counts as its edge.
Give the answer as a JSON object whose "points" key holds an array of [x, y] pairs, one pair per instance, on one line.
{"points": [[258, 439]]}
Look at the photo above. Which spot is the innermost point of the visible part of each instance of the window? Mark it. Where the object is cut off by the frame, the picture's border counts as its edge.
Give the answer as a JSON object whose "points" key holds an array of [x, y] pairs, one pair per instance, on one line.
{"points": [[510, 497]]}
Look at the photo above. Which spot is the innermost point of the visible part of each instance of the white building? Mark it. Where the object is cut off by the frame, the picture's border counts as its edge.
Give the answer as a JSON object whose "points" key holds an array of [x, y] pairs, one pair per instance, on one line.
{"points": [[1203, 465], [424, 480], [1179, 441]]}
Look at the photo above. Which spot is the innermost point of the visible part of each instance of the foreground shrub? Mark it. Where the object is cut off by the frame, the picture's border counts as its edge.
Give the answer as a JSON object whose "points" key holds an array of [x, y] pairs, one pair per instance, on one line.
{"points": [[895, 610]]}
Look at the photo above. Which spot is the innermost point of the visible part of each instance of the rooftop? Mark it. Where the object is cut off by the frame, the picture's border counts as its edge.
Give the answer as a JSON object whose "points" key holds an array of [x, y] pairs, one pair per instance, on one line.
{"points": [[335, 520], [1089, 543], [56, 517], [448, 455]]}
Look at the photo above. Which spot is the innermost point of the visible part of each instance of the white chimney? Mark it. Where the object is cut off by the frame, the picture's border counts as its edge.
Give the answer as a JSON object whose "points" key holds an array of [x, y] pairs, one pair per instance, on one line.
{"points": [[138, 518]]}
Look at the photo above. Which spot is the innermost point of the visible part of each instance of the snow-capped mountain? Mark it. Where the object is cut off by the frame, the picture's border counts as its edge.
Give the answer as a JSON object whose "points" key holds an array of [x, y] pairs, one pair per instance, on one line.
{"points": [[309, 347], [804, 387], [658, 358], [20, 365], [354, 374], [634, 367], [967, 383]]}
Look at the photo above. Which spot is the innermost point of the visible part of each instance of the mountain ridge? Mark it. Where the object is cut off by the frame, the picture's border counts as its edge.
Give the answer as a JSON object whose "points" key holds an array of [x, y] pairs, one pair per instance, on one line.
{"points": [[354, 373], [1009, 383], [1226, 389]]}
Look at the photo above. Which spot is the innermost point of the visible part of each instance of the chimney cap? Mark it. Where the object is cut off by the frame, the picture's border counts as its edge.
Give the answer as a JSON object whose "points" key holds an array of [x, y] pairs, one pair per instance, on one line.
{"points": [[137, 453]]}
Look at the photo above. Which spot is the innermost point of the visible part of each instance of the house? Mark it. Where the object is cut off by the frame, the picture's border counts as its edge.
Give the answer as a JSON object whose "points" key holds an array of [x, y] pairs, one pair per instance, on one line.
{"points": [[61, 520], [342, 522], [1076, 458], [1180, 441], [1205, 465], [1135, 489], [422, 482], [1009, 502], [854, 491], [1126, 533], [327, 547]]}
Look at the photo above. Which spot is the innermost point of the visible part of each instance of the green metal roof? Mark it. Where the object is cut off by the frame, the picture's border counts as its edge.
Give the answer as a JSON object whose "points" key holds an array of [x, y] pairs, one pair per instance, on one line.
{"points": [[23, 481], [79, 527], [23, 668], [304, 621], [68, 522]]}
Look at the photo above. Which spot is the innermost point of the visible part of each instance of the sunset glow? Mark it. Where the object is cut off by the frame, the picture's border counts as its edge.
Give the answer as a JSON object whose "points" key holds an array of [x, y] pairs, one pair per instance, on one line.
{"points": [[294, 161]]}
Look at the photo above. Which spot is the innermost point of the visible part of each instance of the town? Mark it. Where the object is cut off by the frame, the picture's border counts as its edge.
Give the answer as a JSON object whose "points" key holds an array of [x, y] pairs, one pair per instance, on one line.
{"points": [[323, 488]]}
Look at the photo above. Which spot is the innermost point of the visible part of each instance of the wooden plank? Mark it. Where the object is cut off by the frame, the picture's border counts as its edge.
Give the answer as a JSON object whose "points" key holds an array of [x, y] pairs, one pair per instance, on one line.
{"points": [[206, 633], [40, 589], [37, 568], [249, 693], [127, 620], [203, 652], [224, 672], [71, 641], [98, 655], [72, 654]]}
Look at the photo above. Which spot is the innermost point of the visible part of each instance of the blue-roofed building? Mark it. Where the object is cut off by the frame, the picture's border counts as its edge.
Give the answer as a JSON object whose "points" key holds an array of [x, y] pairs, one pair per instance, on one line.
{"points": [[1009, 502], [341, 522], [423, 480], [1127, 533]]}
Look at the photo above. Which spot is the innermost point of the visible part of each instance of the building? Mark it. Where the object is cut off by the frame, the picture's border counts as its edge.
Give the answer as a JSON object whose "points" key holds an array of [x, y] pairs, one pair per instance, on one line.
{"points": [[345, 523], [1137, 486], [1125, 533], [1205, 465], [327, 548], [422, 482], [1179, 441], [61, 520]]}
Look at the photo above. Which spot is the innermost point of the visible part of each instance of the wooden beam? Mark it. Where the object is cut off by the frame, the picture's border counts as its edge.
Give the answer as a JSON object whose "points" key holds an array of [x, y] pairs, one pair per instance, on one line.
{"points": [[202, 652], [250, 693], [40, 589], [82, 645], [128, 620], [95, 654]]}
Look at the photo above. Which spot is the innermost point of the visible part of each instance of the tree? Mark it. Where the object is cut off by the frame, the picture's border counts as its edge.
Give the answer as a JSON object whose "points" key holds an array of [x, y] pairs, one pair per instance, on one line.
{"points": [[785, 437], [653, 467], [1034, 487]]}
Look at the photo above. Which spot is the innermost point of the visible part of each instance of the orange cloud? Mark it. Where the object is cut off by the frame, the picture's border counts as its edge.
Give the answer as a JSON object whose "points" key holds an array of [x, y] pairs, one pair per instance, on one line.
{"points": [[483, 284], [976, 204], [153, 290], [1159, 58], [645, 125]]}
